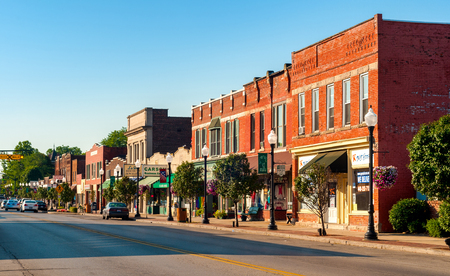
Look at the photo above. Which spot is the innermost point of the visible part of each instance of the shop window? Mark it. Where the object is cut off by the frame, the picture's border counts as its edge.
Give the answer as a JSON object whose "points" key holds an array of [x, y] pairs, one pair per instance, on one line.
{"points": [[361, 190]]}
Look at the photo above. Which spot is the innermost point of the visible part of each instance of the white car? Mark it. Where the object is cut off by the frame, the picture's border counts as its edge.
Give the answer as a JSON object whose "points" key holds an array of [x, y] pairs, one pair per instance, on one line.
{"points": [[12, 204], [29, 205], [2, 206]]}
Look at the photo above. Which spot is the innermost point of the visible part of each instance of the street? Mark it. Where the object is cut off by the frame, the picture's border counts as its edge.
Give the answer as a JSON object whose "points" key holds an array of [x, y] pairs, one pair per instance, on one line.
{"points": [[68, 244]]}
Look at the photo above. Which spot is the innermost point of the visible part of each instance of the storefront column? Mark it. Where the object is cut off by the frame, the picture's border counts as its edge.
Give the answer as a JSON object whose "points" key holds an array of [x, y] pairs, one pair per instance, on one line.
{"points": [[294, 171]]}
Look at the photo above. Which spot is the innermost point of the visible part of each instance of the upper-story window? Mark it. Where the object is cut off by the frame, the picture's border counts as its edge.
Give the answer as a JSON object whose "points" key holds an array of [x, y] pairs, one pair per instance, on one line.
{"points": [[364, 96], [252, 132], [215, 137], [261, 129], [279, 124], [236, 135], [301, 113], [197, 143], [315, 110], [330, 106], [346, 103], [227, 137], [88, 171]]}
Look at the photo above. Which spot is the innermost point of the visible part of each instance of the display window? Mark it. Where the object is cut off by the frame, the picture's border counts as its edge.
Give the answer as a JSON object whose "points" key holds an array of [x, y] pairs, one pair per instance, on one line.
{"points": [[360, 190]]}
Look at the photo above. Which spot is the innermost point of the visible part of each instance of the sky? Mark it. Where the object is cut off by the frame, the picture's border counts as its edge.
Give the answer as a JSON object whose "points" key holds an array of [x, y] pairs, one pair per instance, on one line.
{"points": [[72, 71]]}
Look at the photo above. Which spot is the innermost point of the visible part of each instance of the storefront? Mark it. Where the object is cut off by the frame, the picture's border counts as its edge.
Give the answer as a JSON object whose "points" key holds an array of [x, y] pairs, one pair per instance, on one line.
{"points": [[349, 184]]}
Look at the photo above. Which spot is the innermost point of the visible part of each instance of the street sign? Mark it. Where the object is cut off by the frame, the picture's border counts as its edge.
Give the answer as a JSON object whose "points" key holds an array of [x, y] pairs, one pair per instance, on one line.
{"points": [[59, 188], [11, 156], [262, 163]]}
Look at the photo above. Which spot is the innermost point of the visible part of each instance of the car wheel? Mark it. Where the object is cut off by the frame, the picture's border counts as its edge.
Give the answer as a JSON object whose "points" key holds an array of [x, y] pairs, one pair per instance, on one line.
{"points": [[103, 217], [6, 210], [35, 211], [124, 218], [107, 217]]}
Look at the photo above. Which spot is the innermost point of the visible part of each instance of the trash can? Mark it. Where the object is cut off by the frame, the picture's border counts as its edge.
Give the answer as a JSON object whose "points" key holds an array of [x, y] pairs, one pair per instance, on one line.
{"points": [[181, 214], [94, 206]]}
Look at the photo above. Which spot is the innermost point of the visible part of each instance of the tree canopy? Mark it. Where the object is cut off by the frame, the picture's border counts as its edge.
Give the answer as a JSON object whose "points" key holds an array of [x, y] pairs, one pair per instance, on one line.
{"points": [[115, 138], [66, 149], [429, 153], [125, 190]]}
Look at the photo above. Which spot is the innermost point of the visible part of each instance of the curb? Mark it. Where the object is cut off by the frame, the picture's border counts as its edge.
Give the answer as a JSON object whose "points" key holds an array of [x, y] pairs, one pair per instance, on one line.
{"points": [[374, 245]]}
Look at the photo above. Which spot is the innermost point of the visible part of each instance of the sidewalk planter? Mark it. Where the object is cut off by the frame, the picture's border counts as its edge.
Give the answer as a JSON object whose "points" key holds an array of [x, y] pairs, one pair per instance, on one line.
{"points": [[181, 214]]}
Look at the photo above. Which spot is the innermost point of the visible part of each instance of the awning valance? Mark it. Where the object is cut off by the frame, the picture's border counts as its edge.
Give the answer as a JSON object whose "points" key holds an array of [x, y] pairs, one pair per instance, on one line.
{"points": [[326, 159], [148, 180]]}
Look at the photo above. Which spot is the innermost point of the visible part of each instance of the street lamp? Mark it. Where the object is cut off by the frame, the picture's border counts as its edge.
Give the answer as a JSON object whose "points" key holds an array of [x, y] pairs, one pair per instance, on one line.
{"points": [[169, 159], [272, 137], [371, 121], [138, 165], [205, 152], [101, 172]]}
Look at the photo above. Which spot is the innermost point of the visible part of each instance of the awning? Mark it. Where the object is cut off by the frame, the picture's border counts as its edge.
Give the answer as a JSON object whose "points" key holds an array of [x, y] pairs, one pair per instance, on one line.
{"points": [[215, 123], [159, 185], [281, 158], [148, 180], [73, 187], [327, 159], [105, 184]]}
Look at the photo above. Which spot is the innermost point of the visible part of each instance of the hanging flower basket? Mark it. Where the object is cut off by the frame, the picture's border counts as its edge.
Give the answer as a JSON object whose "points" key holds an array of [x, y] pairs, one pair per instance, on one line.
{"points": [[385, 177], [211, 187]]}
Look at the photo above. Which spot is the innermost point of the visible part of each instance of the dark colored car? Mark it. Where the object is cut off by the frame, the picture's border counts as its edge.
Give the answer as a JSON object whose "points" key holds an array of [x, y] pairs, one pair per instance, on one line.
{"points": [[42, 206], [116, 210]]}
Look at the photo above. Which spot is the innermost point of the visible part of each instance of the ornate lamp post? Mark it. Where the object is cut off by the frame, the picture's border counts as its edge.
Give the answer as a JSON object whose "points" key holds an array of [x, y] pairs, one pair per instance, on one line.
{"points": [[101, 172], [205, 153], [169, 159], [272, 137], [138, 165], [371, 121]]}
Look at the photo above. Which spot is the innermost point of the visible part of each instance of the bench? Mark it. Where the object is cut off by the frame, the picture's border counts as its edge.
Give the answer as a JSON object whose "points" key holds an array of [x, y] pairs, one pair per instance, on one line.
{"points": [[252, 212]]}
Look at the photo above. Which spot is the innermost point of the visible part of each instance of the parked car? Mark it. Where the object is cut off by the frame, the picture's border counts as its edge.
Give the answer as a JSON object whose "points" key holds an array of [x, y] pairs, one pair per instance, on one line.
{"points": [[116, 210], [29, 205], [12, 204], [42, 206], [2, 206]]}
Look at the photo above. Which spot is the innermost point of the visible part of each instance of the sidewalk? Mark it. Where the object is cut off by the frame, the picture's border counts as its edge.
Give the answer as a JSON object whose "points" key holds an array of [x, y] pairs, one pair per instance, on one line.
{"points": [[419, 243]]}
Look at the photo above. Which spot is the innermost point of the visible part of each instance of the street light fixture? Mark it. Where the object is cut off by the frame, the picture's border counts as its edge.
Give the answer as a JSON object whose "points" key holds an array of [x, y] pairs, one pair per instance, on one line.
{"points": [[205, 153], [138, 165], [371, 121], [101, 172], [169, 159], [272, 137]]}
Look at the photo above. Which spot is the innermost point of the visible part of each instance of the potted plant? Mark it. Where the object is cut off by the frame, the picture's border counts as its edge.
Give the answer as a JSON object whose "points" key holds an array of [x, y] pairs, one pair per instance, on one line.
{"points": [[220, 214], [385, 177]]}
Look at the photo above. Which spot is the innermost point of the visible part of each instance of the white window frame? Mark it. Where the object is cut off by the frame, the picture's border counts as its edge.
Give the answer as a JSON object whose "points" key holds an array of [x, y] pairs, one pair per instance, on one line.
{"points": [[235, 131], [301, 113], [215, 144], [346, 101], [330, 106], [362, 85], [315, 109], [228, 137], [279, 124]]}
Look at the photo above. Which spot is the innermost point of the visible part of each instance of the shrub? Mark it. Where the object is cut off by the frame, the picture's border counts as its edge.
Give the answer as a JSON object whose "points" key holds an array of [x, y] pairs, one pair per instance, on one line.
{"points": [[409, 215], [220, 214], [199, 212], [433, 228], [73, 209], [444, 216]]}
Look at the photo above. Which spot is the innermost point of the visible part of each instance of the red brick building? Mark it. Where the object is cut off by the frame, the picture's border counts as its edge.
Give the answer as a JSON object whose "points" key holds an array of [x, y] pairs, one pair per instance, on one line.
{"points": [[69, 165], [317, 107]]}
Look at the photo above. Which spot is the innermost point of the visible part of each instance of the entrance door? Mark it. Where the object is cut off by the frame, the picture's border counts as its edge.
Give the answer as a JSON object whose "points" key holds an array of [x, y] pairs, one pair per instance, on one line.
{"points": [[342, 200], [332, 210]]}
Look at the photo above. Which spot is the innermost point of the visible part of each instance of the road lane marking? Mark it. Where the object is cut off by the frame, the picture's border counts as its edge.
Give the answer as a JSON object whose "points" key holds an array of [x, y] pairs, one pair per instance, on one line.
{"points": [[182, 251]]}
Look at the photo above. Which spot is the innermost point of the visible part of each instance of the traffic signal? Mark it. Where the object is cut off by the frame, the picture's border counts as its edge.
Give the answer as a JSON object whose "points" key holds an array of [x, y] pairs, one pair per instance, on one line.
{"points": [[152, 194]]}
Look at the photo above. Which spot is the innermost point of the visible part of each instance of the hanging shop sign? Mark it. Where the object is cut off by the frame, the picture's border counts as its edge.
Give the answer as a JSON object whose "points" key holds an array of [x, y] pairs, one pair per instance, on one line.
{"points": [[262, 163], [360, 157]]}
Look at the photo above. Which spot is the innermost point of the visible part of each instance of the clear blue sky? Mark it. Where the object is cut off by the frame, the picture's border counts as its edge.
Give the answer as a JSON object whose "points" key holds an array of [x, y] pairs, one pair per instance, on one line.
{"points": [[72, 71]]}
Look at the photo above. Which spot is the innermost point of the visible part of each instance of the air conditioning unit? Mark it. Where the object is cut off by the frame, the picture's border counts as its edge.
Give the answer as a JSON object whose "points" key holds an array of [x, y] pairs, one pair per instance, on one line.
{"points": [[301, 130]]}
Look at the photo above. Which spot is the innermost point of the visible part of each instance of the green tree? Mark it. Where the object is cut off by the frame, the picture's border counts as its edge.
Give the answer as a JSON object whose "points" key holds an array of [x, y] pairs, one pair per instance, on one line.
{"points": [[52, 194], [312, 190], [41, 193], [66, 149], [125, 189], [67, 193], [109, 193], [429, 153], [187, 182], [235, 179], [115, 138], [25, 148], [25, 192]]}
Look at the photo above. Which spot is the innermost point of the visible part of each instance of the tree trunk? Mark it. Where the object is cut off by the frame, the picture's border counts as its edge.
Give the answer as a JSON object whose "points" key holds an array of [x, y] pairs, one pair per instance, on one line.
{"points": [[236, 214], [324, 232]]}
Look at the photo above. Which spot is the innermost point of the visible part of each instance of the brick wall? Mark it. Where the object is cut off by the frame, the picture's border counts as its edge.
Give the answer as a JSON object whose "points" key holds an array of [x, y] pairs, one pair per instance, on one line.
{"points": [[170, 133]]}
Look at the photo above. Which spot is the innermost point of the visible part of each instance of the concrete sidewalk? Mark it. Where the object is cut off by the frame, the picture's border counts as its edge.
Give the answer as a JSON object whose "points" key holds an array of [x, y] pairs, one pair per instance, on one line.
{"points": [[416, 243]]}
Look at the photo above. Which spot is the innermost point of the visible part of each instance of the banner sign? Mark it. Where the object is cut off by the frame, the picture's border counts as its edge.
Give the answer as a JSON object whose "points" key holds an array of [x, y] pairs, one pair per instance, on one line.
{"points": [[303, 160], [262, 163], [152, 170], [162, 175], [360, 157]]}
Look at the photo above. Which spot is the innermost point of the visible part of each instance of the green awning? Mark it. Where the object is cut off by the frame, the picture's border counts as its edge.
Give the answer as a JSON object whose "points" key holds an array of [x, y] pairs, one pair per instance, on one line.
{"points": [[105, 184], [325, 159], [148, 180], [215, 123], [159, 185]]}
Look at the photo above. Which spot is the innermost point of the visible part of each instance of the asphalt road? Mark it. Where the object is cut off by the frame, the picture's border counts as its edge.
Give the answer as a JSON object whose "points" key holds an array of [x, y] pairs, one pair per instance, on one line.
{"points": [[64, 244]]}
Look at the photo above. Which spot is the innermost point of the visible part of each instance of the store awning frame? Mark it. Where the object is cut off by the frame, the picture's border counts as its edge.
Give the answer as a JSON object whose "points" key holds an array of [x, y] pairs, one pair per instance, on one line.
{"points": [[326, 159]]}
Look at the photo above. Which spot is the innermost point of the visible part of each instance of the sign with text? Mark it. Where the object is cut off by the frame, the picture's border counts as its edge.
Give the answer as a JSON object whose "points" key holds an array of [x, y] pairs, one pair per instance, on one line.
{"points": [[11, 156], [262, 163], [130, 170], [152, 170], [360, 157], [303, 160]]}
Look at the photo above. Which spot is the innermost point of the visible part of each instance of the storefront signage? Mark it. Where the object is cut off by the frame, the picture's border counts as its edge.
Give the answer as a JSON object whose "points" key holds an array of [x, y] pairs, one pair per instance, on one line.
{"points": [[360, 157], [130, 170], [362, 177], [94, 153], [262, 163], [152, 170], [303, 160]]}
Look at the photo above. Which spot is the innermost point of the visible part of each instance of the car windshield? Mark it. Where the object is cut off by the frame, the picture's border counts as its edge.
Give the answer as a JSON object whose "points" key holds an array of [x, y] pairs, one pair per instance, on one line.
{"points": [[12, 201], [115, 205]]}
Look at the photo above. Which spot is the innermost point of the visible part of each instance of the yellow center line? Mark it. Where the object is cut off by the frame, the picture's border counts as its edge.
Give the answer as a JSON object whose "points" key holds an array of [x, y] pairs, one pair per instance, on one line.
{"points": [[182, 251]]}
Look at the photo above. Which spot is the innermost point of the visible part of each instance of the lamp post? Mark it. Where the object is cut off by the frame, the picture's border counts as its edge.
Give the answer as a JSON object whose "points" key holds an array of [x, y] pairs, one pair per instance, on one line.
{"points": [[371, 121], [272, 137], [138, 165], [205, 152], [101, 172], [169, 159]]}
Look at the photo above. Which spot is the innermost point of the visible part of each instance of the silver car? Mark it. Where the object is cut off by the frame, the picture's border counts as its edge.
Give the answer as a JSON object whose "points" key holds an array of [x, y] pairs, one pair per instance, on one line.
{"points": [[12, 204], [29, 205]]}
